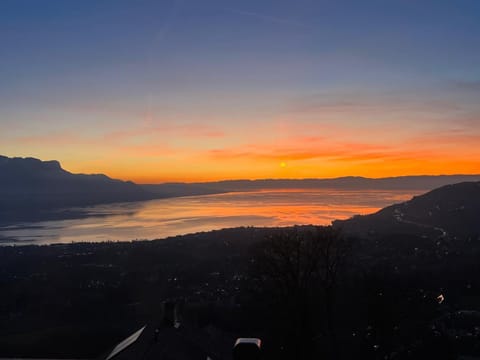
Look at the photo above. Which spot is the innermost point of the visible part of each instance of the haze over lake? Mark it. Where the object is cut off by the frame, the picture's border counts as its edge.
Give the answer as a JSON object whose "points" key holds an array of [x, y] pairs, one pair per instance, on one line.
{"points": [[161, 218]]}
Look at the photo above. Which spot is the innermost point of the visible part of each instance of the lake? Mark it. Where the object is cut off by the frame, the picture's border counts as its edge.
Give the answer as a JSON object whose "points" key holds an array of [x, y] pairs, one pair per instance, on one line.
{"points": [[161, 218]]}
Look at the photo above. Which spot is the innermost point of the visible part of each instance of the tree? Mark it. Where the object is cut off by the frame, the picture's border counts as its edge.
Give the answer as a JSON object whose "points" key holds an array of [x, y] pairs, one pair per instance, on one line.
{"points": [[298, 268]]}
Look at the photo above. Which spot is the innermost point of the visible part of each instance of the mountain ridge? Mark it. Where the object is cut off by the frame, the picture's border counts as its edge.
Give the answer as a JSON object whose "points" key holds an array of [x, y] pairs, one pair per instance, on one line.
{"points": [[416, 182], [32, 184], [449, 210]]}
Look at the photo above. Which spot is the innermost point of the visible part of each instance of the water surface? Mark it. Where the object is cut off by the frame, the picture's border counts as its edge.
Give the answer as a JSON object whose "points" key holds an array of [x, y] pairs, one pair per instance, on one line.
{"points": [[175, 216]]}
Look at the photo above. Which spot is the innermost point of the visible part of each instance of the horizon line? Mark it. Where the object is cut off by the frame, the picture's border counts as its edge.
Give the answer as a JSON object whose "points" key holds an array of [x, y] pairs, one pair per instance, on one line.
{"points": [[296, 179], [161, 182]]}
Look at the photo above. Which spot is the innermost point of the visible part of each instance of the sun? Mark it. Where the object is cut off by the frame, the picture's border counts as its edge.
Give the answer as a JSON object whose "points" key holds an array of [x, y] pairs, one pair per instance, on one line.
{"points": [[283, 164]]}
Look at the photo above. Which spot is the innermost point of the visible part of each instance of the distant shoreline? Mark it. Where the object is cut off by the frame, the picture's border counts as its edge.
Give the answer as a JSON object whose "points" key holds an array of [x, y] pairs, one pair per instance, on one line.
{"points": [[148, 220]]}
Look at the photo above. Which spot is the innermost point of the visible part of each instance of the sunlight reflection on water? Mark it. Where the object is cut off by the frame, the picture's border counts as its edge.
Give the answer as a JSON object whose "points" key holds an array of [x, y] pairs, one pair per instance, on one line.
{"points": [[167, 217]]}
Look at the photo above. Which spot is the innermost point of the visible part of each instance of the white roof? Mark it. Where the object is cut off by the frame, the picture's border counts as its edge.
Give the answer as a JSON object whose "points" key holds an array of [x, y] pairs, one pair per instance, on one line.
{"points": [[126, 343], [254, 341]]}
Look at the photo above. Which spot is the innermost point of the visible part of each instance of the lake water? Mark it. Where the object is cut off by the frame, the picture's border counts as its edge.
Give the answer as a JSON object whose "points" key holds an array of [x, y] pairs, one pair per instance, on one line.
{"points": [[174, 216]]}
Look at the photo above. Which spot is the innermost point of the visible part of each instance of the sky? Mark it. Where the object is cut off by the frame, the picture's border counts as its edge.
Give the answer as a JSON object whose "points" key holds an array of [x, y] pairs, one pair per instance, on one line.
{"points": [[187, 90]]}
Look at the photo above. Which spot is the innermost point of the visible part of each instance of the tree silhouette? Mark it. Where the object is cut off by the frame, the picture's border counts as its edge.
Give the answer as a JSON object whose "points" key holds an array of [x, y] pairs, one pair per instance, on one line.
{"points": [[298, 268]]}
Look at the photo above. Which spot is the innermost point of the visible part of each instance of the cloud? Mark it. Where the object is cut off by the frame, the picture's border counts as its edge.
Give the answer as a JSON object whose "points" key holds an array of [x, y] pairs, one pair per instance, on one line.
{"points": [[427, 147], [147, 150], [266, 155], [393, 155], [55, 138], [449, 138], [145, 134], [471, 86], [355, 104], [305, 148], [270, 18], [192, 130], [368, 105]]}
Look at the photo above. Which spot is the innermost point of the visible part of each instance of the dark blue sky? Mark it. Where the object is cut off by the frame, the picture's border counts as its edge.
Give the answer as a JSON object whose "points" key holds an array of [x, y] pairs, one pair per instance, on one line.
{"points": [[303, 44]]}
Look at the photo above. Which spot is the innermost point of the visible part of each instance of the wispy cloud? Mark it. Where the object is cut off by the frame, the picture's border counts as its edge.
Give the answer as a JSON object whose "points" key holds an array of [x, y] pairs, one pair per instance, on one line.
{"points": [[361, 103], [457, 138], [192, 130], [119, 137], [270, 18], [473, 85], [303, 148], [55, 138]]}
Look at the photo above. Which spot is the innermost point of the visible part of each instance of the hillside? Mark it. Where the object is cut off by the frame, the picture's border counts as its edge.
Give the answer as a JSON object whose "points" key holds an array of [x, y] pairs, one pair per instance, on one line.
{"points": [[451, 209], [28, 183], [71, 294], [425, 182]]}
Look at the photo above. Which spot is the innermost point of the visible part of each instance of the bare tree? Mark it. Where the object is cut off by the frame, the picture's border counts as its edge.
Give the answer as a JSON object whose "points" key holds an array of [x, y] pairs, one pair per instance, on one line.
{"points": [[300, 267]]}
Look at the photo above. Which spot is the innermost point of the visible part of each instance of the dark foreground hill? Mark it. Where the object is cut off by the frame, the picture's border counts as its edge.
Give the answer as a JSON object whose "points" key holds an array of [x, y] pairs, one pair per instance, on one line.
{"points": [[411, 292], [451, 209], [31, 184]]}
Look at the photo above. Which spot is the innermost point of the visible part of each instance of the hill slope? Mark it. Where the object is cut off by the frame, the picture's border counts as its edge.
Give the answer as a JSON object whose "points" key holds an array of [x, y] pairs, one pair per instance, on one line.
{"points": [[452, 209], [35, 184]]}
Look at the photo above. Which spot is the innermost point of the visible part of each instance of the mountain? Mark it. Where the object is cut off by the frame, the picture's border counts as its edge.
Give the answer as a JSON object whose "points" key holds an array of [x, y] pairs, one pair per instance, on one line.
{"points": [[452, 210], [426, 182], [28, 183]]}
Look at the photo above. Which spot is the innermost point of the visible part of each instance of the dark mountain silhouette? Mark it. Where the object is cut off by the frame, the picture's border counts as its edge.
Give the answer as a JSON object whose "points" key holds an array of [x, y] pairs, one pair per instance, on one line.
{"points": [[426, 182], [28, 183], [450, 210]]}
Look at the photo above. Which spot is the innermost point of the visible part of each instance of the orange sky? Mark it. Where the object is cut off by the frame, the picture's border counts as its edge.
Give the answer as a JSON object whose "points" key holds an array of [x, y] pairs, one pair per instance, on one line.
{"points": [[150, 153]]}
